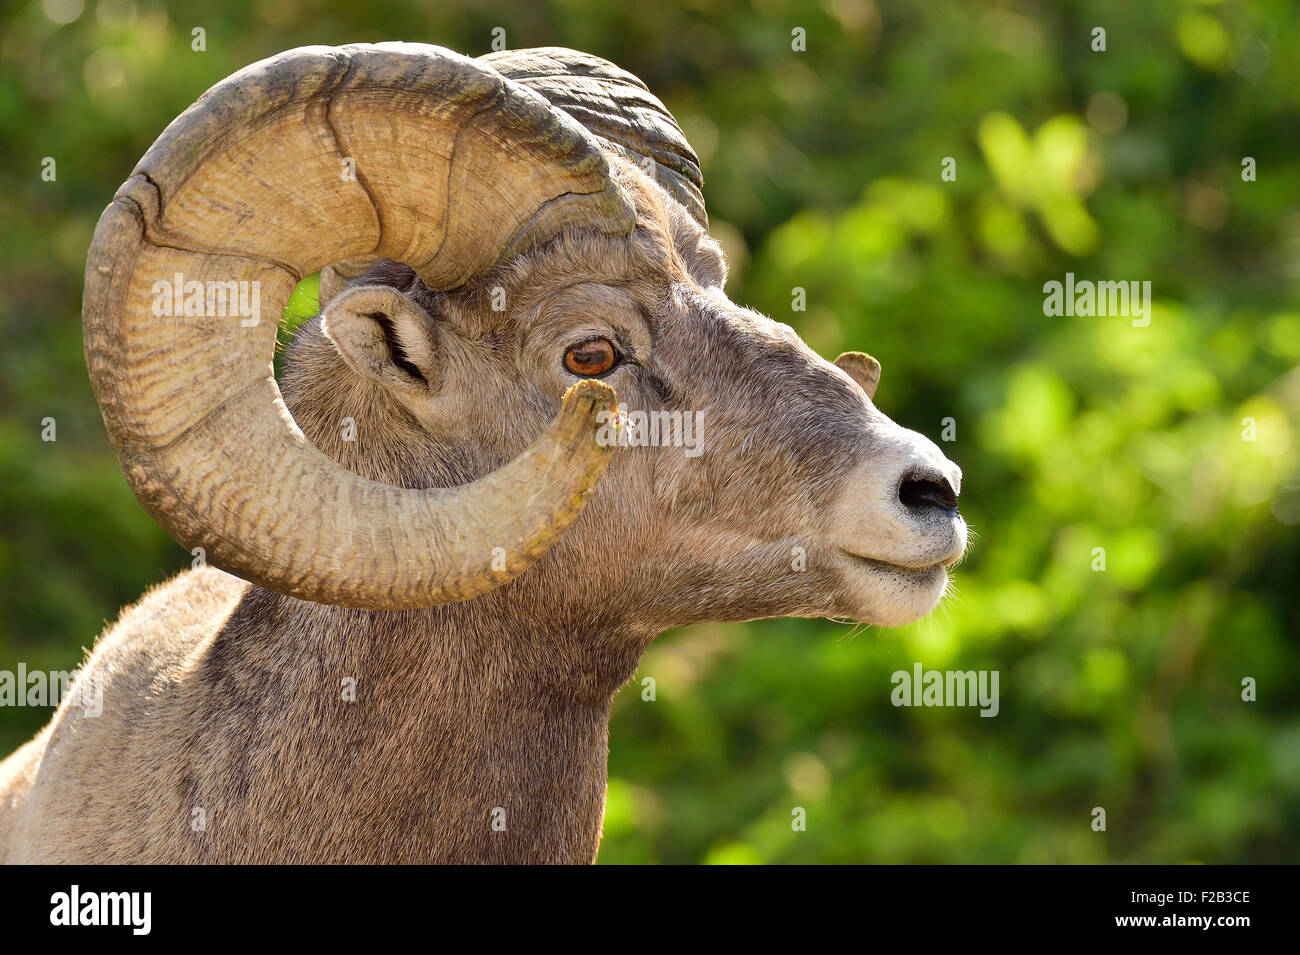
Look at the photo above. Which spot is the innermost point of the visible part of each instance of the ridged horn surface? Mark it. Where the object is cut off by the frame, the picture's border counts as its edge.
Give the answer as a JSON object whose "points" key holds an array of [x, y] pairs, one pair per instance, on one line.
{"points": [[320, 155]]}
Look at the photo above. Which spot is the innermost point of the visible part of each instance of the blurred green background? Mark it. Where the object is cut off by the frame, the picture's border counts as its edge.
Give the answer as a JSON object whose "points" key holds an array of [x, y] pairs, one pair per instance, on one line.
{"points": [[1119, 688]]}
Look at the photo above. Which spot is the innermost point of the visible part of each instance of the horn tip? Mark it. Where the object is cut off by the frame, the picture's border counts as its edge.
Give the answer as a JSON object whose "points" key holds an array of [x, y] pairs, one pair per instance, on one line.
{"points": [[591, 397]]}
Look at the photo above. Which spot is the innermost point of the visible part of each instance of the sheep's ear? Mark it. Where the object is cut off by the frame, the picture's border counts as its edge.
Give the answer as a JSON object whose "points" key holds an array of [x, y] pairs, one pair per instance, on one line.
{"points": [[335, 278], [331, 283], [707, 263], [383, 336], [862, 368]]}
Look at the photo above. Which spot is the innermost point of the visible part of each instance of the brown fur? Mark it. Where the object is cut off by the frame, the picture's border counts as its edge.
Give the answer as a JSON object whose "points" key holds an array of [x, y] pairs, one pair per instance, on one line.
{"points": [[227, 698]]}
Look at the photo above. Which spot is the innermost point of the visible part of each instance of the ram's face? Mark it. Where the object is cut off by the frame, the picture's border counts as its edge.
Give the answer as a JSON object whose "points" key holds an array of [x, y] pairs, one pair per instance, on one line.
{"points": [[753, 478], [553, 212]]}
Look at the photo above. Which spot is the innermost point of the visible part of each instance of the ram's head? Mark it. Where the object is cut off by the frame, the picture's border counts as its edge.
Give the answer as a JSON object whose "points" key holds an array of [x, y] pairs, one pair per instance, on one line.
{"points": [[452, 414]]}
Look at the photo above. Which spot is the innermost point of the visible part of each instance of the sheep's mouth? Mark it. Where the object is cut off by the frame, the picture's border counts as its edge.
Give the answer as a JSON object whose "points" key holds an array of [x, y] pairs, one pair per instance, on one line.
{"points": [[888, 594], [923, 573]]}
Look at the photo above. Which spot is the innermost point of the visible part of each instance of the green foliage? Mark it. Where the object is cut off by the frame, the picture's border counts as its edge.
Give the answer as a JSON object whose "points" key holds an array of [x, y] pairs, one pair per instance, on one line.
{"points": [[1119, 688]]}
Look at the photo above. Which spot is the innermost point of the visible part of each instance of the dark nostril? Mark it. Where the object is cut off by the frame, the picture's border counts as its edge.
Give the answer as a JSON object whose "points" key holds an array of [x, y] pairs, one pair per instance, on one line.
{"points": [[928, 492]]}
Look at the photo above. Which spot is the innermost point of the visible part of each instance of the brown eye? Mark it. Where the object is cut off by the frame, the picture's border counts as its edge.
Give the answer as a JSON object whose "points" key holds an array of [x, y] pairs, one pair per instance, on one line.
{"points": [[592, 357]]}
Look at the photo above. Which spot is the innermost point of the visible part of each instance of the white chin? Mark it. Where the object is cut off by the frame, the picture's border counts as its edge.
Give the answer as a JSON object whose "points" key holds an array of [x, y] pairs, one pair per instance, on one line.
{"points": [[890, 596]]}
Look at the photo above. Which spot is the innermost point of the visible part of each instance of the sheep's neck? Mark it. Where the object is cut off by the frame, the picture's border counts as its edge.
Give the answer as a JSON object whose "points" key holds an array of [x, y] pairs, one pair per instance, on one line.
{"points": [[454, 734]]}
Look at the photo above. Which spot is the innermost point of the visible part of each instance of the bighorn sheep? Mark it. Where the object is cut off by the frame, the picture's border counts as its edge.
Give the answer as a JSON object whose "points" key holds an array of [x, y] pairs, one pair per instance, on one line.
{"points": [[418, 662]]}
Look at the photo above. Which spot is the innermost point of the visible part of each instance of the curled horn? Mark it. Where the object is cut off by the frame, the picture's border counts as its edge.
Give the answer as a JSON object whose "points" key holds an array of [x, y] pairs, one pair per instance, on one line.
{"points": [[456, 169]]}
